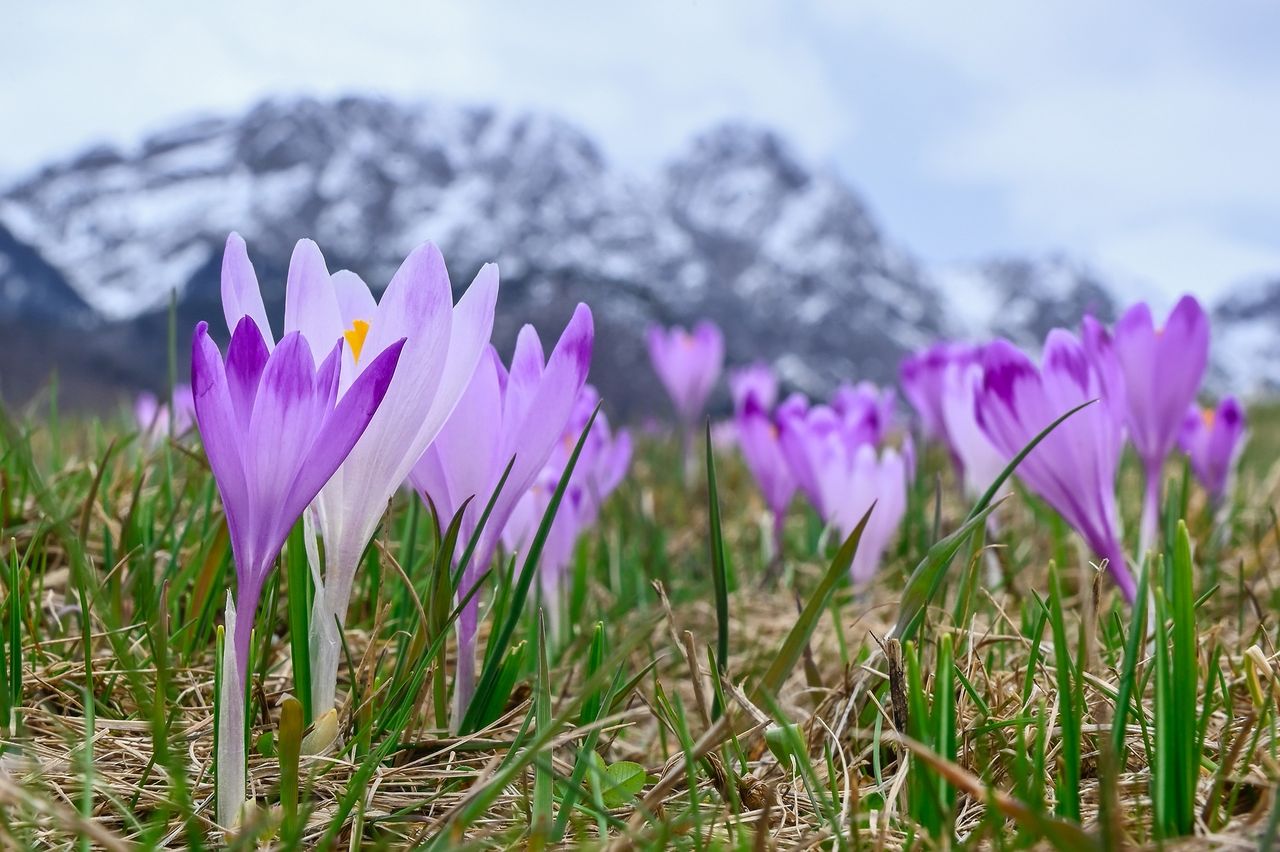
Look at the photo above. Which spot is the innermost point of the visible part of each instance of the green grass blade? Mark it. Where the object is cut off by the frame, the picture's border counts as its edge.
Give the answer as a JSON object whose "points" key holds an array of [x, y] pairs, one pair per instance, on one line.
{"points": [[1128, 670], [719, 565], [1068, 786]]}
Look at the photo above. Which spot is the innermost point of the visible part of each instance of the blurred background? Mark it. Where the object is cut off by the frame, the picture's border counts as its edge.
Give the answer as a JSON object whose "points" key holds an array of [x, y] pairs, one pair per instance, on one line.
{"points": [[834, 183]]}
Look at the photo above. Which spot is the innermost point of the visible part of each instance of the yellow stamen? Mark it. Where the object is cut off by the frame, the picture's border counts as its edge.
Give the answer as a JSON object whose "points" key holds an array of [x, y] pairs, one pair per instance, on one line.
{"points": [[1207, 415], [355, 337]]}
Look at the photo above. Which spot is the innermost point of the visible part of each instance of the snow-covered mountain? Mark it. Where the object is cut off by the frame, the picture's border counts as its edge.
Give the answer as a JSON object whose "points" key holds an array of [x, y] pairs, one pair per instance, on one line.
{"points": [[1023, 298], [1246, 340], [785, 256]]}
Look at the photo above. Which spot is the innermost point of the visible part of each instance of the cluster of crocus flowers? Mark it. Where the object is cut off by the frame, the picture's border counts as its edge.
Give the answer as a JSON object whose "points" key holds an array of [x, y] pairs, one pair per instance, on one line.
{"points": [[503, 418], [986, 403], [835, 455], [408, 387], [830, 453], [158, 419], [689, 364], [441, 345], [286, 438], [599, 470], [275, 428]]}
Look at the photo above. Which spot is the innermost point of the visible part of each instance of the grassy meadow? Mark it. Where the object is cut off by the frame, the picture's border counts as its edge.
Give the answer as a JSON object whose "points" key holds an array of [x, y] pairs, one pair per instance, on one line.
{"points": [[987, 690]]}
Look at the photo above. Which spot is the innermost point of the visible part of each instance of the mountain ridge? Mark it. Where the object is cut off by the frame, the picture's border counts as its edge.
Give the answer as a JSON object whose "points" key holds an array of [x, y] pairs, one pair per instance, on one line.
{"points": [[788, 258]]}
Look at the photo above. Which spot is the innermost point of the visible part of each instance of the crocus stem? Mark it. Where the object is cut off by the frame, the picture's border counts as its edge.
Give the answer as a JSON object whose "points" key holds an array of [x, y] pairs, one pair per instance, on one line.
{"points": [[231, 750], [690, 462], [779, 528], [468, 623], [246, 607], [464, 679], [1118, 567], [995, 575], [325, 646], [774, 568], [1150, 510]]}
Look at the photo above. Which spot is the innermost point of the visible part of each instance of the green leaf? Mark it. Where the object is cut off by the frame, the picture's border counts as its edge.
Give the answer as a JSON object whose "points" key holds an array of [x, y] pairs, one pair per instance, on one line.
{"points": [[298, 574], [622, 782], [780, 740]]}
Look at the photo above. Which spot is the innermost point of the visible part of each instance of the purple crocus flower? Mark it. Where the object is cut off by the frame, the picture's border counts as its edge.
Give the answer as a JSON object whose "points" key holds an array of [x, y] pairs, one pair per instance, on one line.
{"points": [[759, 438], [1074, 467], [980, 461], [601, 467], [814, 445], [521, 414], [1161, 371], [1213, 440], [724, 436], [442, 345], [866, 405], [923, 381], [866, 412], [688, 365], [755, 380], [157, 420], [842, 478], [275, 430]]}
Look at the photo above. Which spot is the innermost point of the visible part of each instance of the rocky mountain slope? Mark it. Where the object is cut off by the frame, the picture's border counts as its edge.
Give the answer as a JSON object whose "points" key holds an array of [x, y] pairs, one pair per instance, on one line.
{"points": [[786, 257]]}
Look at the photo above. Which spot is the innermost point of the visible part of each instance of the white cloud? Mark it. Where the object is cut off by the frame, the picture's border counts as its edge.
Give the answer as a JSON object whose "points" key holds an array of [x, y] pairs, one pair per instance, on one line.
{"points": [[1095, 157], [643, 76], [1140, 134], [1166, 260]]}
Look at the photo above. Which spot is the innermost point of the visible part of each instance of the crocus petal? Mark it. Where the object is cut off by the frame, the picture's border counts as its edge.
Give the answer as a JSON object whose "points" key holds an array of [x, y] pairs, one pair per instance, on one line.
{"points": [[982, 461], [246, 359], [1184, 357], [417, 305], [219, 430], [463, 462], [758, 381], [241, 296], [310, 304], [355, 301], [1074, 467], [525, 375], [760, 441], [543, 417], [472, 328], [282, 426], [341, 429]]}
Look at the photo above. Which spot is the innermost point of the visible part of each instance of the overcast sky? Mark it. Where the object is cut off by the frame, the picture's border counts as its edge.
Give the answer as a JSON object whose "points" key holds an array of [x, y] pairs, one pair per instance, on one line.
{"points": [[1142, 136]]}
